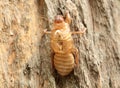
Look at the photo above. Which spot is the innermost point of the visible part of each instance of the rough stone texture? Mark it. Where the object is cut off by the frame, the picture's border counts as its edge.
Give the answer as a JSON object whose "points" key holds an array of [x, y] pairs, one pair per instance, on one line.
{"points": [[25, 55]]}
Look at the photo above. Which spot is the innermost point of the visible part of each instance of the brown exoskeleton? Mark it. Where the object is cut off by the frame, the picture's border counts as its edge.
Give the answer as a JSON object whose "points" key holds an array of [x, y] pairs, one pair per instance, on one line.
{"points": [[65, 55]]}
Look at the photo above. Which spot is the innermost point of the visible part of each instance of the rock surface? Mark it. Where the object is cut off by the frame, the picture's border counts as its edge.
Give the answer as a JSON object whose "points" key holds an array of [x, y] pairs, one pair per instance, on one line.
{"points": [[25, 54]]}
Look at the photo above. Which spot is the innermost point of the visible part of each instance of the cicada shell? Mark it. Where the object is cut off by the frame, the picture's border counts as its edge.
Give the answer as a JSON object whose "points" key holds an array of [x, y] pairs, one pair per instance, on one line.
{"points": [[63, 47], [65, 53]]}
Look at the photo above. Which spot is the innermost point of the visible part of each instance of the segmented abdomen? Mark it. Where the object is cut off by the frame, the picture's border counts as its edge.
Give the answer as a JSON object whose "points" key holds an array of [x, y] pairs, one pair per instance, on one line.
{"points": [[64, 63]]}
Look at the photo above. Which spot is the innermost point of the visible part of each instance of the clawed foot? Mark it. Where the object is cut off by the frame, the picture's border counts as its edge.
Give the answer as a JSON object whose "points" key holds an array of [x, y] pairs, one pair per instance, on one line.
{"points": [[44, 31], [83, 31], [76, 65]]}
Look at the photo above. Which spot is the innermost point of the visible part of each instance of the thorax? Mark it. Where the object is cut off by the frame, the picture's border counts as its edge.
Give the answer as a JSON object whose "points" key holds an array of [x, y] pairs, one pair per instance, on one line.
{"points": [[61, 33]]}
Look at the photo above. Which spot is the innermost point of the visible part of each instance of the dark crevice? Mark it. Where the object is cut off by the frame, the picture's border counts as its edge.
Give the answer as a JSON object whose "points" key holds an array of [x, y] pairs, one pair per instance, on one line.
{"points": [[27, 71], [110, 83]]}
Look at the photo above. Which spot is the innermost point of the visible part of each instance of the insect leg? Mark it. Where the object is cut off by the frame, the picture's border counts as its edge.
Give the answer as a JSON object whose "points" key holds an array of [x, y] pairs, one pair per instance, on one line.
{"points": [[46, 32], [76, 55], [67, 17], [79, 32]]}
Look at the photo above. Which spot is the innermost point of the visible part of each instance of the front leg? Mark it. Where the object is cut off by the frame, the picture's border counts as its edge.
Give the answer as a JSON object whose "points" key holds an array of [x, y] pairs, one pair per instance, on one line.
{"points": [[67, 17], [79, 32], [46, 32], [76, 56]]}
